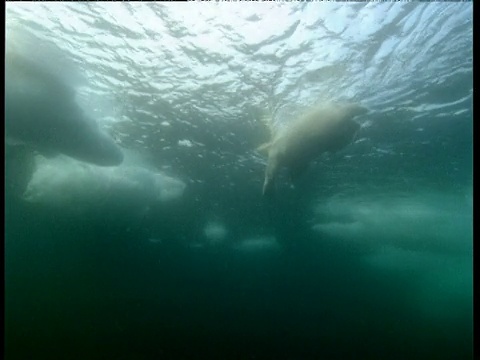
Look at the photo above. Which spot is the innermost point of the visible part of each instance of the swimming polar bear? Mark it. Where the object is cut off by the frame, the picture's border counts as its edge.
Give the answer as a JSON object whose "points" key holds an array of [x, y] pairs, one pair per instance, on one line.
{"points": [[327, 127], [41, 112]]}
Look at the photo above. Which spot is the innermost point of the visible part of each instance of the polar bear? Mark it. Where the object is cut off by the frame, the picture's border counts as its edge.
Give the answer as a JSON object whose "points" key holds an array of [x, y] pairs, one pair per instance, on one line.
{"points": [[41, 112], [327, 127]]}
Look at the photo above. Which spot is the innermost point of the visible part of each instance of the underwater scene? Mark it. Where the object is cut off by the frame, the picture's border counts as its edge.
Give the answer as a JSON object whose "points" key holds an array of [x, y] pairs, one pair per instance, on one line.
{"points": [[238, 180]]}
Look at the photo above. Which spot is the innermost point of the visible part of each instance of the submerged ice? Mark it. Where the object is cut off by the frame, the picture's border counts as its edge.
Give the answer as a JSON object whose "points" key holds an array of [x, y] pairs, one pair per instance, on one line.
{"points": [[69, 183], [432, 222]]}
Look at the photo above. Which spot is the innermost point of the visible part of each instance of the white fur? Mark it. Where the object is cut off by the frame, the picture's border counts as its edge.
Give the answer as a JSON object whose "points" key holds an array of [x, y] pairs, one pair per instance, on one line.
{"points": [[327, 127]]}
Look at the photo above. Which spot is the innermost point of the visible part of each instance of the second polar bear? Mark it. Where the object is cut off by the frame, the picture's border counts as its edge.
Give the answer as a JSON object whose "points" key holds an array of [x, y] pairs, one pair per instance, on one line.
{"points": [[327, 127]]}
